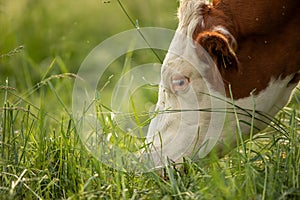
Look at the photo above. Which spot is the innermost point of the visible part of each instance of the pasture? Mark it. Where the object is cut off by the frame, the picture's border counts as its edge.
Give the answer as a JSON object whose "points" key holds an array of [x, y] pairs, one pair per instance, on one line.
{"points": [[42, 156]]}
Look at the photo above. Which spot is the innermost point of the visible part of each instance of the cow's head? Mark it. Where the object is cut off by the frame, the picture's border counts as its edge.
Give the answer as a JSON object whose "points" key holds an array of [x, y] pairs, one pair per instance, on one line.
{"points": [[192, 86], [196, 108]]}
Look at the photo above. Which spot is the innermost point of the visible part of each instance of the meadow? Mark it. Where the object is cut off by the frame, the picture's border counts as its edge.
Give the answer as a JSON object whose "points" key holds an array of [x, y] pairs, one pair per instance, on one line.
{"points": [[42, 46]]}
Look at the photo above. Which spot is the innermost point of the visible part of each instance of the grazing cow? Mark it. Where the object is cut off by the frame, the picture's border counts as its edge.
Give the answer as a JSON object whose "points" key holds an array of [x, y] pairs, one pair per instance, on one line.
{"points": [[253, 66]]}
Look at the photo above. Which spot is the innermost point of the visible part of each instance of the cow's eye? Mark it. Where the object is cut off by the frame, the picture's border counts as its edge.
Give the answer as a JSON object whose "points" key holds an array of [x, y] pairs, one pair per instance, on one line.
{"points": [[179, 82]]}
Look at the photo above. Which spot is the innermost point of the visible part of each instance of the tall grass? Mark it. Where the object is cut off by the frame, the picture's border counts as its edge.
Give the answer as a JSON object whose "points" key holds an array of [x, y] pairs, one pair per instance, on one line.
{"points": [[43, 157]]}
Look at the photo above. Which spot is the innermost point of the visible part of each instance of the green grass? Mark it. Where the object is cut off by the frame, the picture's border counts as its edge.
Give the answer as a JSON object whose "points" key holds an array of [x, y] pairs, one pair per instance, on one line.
{"points": [[41, 154], [44, 159]]}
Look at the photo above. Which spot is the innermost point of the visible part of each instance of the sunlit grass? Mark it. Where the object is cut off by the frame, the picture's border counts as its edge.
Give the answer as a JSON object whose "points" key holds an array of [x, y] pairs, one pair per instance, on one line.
{"points": [[42, 156]]}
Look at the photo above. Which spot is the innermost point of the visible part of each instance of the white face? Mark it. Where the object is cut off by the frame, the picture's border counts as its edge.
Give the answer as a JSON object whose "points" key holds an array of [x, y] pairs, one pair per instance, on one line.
{"points": [[180, 127]]}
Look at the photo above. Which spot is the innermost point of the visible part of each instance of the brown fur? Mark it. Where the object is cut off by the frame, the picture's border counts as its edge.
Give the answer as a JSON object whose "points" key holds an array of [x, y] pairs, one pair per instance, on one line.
{"points": [[268, 42]]}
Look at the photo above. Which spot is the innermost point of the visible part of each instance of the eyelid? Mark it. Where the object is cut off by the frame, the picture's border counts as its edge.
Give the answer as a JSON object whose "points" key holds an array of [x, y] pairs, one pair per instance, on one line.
{"points": [[179, 82]]}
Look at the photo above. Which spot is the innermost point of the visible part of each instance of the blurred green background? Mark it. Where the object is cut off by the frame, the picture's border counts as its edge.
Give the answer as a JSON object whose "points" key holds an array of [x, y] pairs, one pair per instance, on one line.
{"points": [[41, 39], [68, 29]]}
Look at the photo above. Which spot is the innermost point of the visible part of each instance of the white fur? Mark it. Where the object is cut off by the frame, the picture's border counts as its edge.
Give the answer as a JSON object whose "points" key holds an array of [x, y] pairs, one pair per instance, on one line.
{"points": [[189, 17], [271, 99]]}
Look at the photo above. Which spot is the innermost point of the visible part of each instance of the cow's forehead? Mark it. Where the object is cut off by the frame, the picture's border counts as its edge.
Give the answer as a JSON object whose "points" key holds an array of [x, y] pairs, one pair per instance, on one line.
{"points": [[184, 52], [179, 65], [189, 16]]}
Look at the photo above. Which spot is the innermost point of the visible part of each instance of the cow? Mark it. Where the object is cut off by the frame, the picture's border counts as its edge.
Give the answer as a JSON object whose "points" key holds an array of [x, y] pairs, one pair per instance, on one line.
{"points": [[231, 66]]}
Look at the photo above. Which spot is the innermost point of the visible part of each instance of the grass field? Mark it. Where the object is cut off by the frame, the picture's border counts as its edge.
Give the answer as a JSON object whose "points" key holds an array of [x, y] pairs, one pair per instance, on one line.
{"points": [[42, 45]]}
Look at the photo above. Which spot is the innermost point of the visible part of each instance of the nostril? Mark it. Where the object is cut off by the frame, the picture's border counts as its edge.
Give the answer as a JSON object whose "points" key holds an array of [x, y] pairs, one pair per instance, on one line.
{"points": [[179, 82]]}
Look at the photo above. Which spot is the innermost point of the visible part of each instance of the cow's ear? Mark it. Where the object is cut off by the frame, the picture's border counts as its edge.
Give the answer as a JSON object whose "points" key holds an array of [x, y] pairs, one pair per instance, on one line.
{"points": [[219, 48], [215, 2]]}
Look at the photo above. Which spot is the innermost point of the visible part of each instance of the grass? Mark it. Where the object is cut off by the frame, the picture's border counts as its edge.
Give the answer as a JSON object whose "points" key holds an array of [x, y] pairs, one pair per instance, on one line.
{"points": [[50, 162], [41, 154]]}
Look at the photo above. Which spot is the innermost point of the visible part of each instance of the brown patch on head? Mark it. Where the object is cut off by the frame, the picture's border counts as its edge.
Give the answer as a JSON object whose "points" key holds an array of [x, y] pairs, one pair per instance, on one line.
{"points": [[215, 2], [265, 52], [217, 35]]}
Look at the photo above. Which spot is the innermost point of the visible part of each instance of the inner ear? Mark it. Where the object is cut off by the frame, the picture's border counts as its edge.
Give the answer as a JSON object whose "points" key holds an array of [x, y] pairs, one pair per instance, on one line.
{"points": [[218, 47]]}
